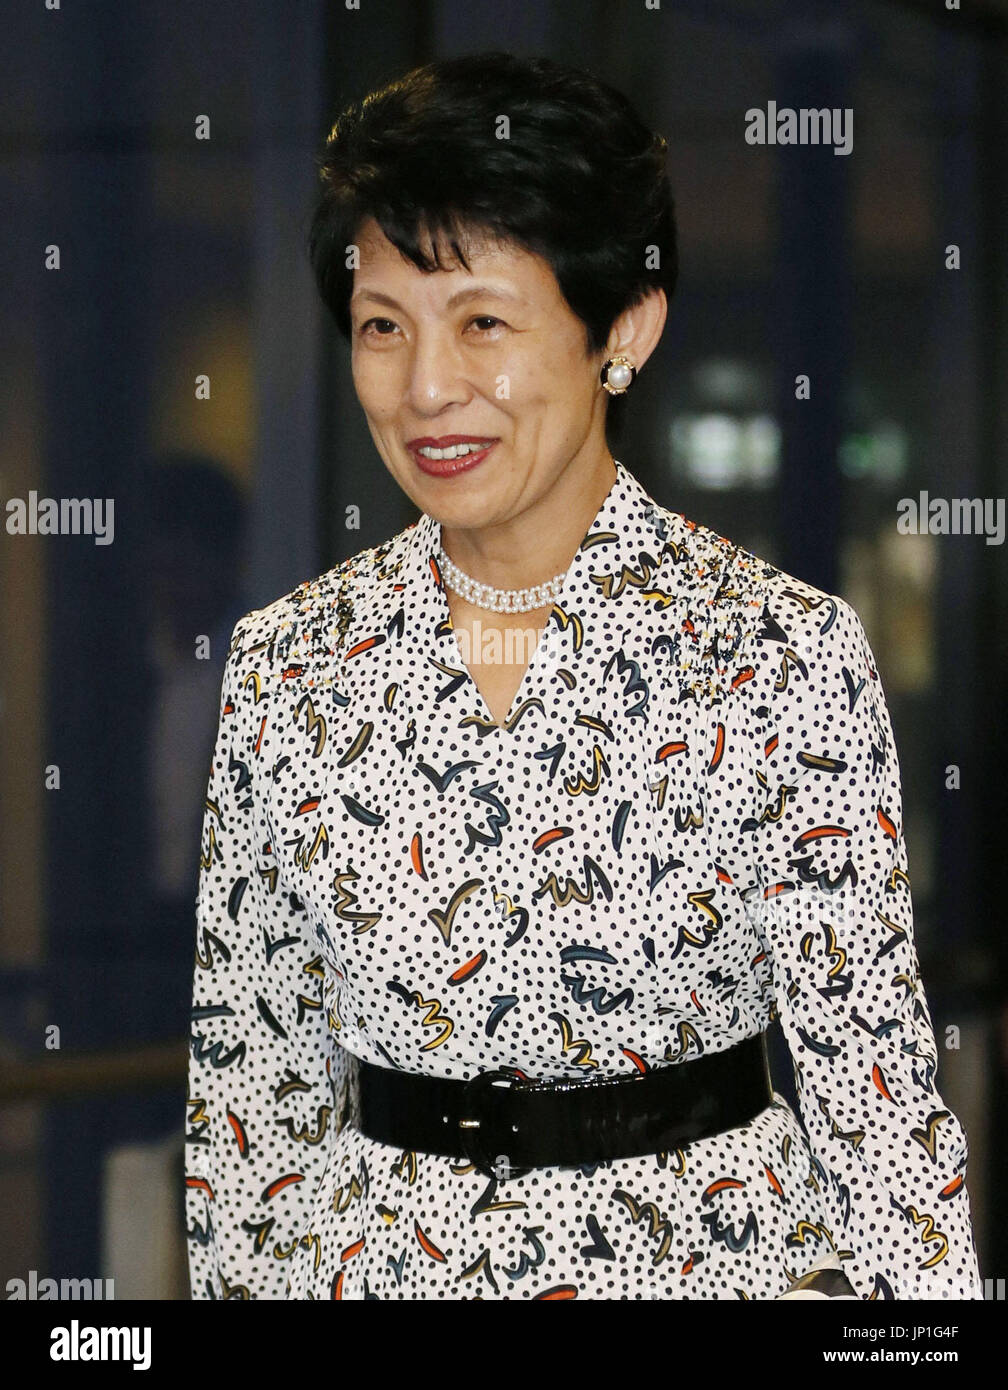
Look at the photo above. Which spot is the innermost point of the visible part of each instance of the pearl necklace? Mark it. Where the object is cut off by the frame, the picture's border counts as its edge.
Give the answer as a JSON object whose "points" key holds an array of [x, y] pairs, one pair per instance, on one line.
{"points": [[498, 600]]}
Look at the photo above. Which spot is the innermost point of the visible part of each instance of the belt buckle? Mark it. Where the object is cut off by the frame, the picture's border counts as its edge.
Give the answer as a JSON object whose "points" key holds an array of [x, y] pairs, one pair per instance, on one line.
{"points": [[473, 1125]]}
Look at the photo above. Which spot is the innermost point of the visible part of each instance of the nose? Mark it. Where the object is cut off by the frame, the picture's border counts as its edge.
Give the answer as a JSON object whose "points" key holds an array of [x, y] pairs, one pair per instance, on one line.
{"points": [[436, 373]]}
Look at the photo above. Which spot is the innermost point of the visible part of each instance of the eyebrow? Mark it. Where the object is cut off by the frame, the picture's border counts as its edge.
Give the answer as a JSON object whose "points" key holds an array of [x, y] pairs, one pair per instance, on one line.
{"points": [[459, 297]]}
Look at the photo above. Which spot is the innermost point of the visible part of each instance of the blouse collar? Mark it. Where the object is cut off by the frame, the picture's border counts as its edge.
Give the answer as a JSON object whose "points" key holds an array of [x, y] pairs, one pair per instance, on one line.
{"points": [[635, 553], [627, 532]]}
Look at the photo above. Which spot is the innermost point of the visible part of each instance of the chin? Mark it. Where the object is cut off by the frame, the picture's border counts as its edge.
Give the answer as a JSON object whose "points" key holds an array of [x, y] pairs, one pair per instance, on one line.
{"points": [[462, 518], [449, 503]]}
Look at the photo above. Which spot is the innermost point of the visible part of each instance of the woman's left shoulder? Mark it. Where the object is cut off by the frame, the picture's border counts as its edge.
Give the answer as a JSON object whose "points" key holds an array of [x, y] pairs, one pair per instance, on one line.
{"points": [[791, 611], [740, 613]]}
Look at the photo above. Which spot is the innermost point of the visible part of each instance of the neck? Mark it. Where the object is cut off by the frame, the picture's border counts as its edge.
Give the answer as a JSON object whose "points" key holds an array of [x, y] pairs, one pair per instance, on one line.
{"points": [[541, 540]]}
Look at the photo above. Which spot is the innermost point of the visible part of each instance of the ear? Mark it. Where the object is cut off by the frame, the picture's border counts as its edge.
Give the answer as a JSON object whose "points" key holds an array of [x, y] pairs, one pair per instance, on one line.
{"points": [[636, 332]]}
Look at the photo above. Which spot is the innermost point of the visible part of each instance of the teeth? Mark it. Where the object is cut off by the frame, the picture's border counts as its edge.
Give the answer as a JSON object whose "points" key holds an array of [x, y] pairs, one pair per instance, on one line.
{"points": [[453, 451]]}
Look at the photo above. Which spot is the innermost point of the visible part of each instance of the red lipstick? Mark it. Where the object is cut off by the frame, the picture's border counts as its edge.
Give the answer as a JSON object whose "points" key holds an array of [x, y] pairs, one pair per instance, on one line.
{"points": [[447, 468]]}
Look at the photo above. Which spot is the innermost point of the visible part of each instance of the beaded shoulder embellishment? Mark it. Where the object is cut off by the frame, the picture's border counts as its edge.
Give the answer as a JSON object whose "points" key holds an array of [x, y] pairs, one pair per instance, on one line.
{"points": [[725, 588], [307, 638]]}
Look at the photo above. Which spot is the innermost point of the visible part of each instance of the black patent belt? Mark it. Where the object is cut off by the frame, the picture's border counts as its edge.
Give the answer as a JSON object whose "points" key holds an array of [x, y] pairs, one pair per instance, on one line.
{"points": [[506, 1124]]}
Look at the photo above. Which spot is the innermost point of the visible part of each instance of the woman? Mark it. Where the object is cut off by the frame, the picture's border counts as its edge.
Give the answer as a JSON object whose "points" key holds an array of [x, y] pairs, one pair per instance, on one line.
{"points": [[553, 787]]}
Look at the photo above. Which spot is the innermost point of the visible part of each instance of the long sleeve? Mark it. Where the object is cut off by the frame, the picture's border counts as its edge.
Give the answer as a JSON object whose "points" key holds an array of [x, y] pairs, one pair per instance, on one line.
{"points": [[264, 1070], [832, 899]]}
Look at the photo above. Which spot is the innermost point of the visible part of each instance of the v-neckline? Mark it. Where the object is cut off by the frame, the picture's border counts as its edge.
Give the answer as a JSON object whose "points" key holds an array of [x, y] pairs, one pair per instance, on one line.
{"points": [[569, 600], [571, 577], [519, 695]]}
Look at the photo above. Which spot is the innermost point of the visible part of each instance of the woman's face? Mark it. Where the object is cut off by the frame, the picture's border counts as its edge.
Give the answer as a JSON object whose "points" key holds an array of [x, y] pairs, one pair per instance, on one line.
{"points": [[492, 355]]}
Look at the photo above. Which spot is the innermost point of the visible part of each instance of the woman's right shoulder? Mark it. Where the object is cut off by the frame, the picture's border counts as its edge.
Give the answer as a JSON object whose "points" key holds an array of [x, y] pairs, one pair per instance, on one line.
{"points": [[306, 627]]}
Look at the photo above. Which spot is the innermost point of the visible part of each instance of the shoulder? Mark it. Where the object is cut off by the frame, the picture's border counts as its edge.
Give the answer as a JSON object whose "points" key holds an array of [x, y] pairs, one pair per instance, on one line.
{"points": [[743, 614], [303, 629]]}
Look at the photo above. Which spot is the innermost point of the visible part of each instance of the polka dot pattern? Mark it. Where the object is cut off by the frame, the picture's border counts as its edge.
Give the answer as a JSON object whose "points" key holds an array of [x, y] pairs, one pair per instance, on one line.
{"points": [[689, 824]]}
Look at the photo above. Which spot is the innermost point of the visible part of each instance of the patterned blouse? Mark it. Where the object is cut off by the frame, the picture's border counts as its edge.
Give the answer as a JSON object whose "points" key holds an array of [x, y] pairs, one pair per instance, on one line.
{"points": [[690, 824]]}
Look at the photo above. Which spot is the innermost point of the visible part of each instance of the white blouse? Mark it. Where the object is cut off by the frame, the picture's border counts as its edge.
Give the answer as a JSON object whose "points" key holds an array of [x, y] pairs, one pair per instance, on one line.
{"points": [[689, 824]]}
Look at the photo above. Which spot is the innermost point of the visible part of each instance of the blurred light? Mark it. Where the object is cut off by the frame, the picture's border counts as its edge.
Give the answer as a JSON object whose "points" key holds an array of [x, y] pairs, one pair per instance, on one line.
{"points": [[910, 559], [729, 383], [879, 454], [761, 441], [718, 451]]}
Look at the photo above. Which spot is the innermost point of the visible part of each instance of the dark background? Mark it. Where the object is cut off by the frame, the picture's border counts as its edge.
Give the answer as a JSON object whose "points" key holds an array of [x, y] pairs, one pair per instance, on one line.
{"points": [[181, 257]]}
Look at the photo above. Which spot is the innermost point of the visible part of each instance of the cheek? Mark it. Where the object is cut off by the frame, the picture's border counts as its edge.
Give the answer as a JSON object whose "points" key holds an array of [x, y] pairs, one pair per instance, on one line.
{"points": [[375, 383], [557, 380], [530, 384], [556, 400]]}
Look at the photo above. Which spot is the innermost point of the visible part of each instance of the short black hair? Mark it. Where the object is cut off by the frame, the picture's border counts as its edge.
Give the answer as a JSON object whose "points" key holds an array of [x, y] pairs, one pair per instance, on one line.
{"points": [[581, 181]]}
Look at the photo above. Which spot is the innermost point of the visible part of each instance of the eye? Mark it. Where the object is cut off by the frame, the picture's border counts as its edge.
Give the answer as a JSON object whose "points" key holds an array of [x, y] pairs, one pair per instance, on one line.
{"points": [[487, 319], [384, 328], [364, 326]]}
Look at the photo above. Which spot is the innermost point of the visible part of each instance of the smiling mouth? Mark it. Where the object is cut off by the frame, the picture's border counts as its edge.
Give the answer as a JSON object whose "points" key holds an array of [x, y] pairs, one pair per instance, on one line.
{"points": [[451, 447], [450, 455]]}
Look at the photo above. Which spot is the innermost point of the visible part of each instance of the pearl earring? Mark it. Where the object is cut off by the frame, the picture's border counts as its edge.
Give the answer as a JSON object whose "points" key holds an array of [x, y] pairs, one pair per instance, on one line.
{"points": [[617, 375]]}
